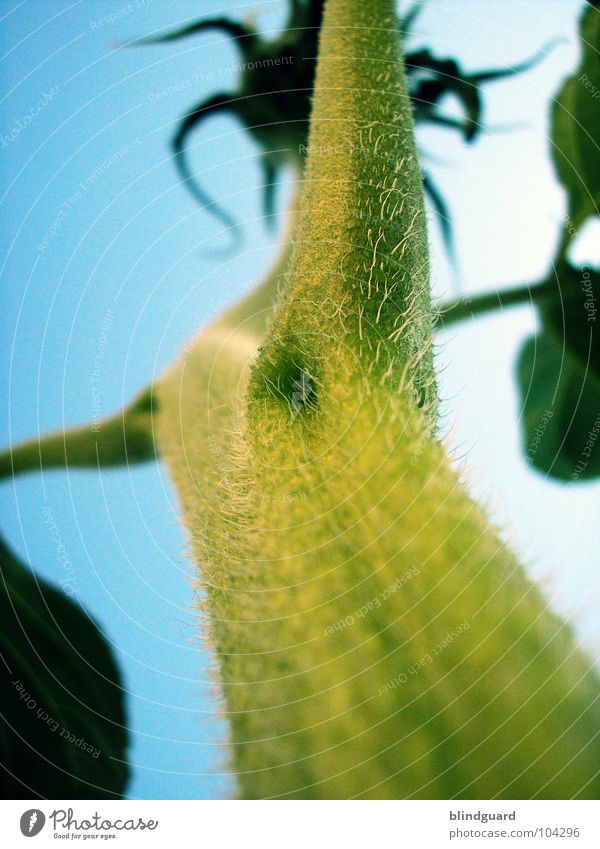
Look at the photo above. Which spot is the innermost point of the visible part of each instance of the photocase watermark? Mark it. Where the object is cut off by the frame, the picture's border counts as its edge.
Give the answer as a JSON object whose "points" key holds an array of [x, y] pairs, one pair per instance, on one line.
{"points": [[83, 187], [373, 603], [65, 818], [538, 435], [68, 581], [286, 498], [96, 374], [363, 215], [32, 822], [589, 304], [53, 724], [425, 660], [108, 163], [353, 148], [593, 89], [586, 452], [118, 14], [192, 82], [89, 827], [21, 124]]}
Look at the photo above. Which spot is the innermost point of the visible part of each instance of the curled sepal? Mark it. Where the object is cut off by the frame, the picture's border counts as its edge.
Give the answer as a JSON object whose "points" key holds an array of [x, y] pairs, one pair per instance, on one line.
{"points": [[245, 36], [431, 79], [217, 104]]}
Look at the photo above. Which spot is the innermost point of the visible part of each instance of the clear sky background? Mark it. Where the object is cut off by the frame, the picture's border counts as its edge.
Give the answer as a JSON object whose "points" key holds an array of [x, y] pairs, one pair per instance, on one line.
{"points": [[116, 277]]}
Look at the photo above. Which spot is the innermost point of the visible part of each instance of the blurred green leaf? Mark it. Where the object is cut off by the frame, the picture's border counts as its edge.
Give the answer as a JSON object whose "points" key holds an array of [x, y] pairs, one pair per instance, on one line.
{"points": [[571, 313], [575, 113], [559, 378], [64, 729], [559, 369]]}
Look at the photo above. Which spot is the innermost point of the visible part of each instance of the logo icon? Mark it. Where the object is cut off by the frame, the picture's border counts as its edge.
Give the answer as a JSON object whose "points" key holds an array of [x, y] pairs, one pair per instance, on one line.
{"points": [[32, 822]]}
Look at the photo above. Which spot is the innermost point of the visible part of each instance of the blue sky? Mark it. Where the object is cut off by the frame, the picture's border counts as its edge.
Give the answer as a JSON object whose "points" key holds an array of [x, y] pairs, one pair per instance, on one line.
{"points": [[106, 271]]}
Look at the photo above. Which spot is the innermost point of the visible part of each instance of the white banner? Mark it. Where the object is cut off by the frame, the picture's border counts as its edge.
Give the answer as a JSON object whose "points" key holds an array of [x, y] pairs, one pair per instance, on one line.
{"points": [[298, 825]]}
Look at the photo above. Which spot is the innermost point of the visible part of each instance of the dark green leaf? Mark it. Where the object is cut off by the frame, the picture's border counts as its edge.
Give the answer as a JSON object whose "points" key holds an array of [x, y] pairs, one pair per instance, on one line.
{"points": [[560, 408], [63, 718], [575, 113], [559, 369], [571, 314]]}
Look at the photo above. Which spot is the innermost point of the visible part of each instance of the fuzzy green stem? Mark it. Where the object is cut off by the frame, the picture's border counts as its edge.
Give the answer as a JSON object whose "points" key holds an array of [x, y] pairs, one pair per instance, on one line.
{"points": [[375, 637], [126, 437]]}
